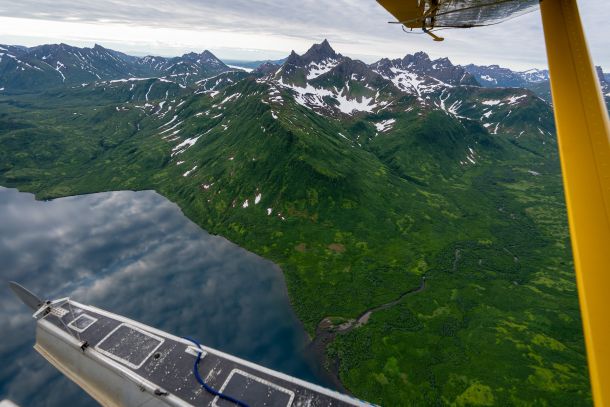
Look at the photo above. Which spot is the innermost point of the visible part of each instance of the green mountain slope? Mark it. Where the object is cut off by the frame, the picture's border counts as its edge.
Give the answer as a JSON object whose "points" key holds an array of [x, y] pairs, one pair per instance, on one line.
{"points": [[358, 181]]}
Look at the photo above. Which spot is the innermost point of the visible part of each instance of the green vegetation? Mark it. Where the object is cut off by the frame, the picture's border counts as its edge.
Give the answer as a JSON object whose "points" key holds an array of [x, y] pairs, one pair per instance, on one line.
{"points": [[355, 222]]}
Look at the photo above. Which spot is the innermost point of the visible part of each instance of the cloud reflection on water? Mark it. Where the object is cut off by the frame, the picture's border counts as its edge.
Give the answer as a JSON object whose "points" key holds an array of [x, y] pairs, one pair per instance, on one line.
{"points": [[134, 253]]}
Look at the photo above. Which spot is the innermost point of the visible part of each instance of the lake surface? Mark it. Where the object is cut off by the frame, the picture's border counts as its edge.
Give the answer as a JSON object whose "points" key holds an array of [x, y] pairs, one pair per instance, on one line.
{"points": [[136, 254]]}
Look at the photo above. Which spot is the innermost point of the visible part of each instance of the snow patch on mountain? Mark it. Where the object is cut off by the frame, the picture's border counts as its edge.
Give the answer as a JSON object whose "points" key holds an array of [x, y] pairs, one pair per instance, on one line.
{"points": [[18, 61], [471, 157], [385, 125], [310, 97], [241, 68], [189, 172], [58, 67], [229, 98], [172, 128], [128, 80], [413, 83], [316, 69], [185, 145], [514, 99], [534, 75], [451, 110]]}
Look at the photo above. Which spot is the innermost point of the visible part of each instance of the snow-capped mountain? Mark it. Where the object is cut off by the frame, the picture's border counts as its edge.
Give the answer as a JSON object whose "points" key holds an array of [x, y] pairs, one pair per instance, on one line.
{"points": [[537, 80], [534, 75], [48, 66], [328, 82], [421, 65], [188, 67], [82, 63], [324, 80], [334, 85], [321, 80], [496, 76], [318, 60], [419, 76]]}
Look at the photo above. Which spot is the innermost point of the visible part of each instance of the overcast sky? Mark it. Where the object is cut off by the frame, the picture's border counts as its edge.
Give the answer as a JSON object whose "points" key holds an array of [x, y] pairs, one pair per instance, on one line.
{"points": [[259, 29]]}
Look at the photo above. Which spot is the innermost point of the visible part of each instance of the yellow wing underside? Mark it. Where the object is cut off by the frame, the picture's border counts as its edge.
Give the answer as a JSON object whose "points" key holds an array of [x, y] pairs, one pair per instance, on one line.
{"points": [[431, 14], [409, 13]]}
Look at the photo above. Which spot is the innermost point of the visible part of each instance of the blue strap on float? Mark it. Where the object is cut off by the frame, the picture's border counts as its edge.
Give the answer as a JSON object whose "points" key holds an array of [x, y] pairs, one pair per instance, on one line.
{"points": [[205, 385]]}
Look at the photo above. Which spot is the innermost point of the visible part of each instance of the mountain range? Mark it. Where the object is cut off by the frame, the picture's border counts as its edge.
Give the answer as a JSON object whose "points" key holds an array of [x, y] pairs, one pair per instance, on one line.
{"points": [[48, 66], [533, 79], [45, 66], [417, 215], [496, 76]]}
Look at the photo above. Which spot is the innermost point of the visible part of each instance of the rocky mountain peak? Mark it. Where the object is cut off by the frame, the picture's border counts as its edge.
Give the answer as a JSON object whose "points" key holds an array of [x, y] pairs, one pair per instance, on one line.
{"points": [[293, 59], [382, 62], [320, 52], [205, 58], [349, 67], [207, 54], [421, 61], [203, 55], [441, 69], [266, 68], [318, 60], [418, 57]]}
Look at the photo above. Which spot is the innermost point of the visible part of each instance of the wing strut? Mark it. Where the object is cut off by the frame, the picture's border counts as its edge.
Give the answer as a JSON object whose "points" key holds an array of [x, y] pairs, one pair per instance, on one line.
{"points": [[583, 134], [431, 34]]}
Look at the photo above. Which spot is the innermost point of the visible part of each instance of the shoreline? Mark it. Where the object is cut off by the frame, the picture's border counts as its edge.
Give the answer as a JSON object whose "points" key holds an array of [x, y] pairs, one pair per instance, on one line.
{"points": [[325, 333]]}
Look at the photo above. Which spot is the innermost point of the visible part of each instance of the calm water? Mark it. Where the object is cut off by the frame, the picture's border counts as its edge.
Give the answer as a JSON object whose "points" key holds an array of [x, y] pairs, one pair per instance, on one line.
{"points": [[134, 253]]}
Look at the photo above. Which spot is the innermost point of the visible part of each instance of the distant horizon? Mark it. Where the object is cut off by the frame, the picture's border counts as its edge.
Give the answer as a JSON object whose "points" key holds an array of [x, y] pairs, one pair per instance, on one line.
{"points": [[223, 59], [267, 29]]}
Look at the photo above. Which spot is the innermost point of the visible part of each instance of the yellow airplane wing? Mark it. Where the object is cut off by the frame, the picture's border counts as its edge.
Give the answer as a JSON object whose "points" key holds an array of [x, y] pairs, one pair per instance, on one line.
{"points": [[408, 13], [455, 13]]}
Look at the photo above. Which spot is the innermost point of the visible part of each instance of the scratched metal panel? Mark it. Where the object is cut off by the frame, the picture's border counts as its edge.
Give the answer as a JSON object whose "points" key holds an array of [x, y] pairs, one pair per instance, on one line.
{"points": [[82, 322], [170, 366], [129, 345], [253, 390]]}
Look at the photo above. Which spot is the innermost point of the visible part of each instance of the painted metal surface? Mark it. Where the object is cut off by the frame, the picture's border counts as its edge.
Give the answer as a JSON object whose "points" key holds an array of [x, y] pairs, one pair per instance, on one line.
{"points": [[455, 13], [583, 133], [127, 363], [409, 13]]}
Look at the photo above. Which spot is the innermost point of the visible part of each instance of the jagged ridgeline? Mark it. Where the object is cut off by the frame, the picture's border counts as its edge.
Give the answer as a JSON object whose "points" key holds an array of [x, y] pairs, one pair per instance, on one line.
{"points": [[48, 66], [358, 180]]}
